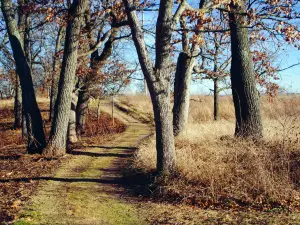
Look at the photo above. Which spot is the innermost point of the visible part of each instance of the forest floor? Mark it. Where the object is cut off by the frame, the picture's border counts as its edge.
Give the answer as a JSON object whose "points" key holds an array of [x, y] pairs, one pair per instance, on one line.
{"points": [[96, 186]]}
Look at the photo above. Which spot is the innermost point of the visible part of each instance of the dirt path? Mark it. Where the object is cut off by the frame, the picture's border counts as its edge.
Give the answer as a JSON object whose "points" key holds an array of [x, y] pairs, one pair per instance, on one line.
{"points": [[86, 189]]}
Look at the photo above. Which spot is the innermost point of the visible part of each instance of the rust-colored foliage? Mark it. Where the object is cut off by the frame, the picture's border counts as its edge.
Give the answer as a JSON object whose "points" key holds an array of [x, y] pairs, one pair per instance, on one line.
{"points": [[103, 125]]}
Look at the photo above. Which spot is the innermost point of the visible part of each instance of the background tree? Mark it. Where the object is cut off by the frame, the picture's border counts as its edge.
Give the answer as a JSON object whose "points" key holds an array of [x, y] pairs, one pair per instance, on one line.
{"points": [[102, 32], [183, 74], [36, 137]]}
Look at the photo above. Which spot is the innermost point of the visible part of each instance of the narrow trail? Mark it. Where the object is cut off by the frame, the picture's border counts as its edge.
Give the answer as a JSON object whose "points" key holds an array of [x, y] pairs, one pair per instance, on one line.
{"points": [[87, 189]]}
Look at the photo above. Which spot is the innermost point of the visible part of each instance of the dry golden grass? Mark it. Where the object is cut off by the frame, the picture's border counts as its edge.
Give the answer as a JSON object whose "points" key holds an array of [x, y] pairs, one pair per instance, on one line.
{"points": [[214, 167], [201, 107], [139, 103]]}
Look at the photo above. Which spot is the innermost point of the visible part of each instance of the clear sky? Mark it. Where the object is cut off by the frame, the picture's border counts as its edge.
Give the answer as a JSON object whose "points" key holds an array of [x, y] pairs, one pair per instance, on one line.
{"points": [[289, 79]]}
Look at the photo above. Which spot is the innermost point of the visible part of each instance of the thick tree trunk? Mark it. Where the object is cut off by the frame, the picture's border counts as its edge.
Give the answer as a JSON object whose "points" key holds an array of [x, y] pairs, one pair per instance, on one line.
{"points": [[185, 64], [245, 94], [54, 81], [58, 136], [158, 80], [18, 104], [165, 148], [72, 135], [183, 76], [216, 98], [36, 137]]}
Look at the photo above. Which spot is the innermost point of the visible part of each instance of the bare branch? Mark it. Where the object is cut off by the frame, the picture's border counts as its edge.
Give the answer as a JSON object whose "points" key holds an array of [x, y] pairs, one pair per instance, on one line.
{"points": [[100, 42]]}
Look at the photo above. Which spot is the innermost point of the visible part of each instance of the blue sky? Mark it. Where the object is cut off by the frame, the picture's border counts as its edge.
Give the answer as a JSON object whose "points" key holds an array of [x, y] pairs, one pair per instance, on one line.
{"points": [[289, 79]]}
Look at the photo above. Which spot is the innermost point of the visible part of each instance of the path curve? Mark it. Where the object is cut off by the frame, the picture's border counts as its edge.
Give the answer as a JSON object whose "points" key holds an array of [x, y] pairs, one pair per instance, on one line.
{"points": [[86, 189]]}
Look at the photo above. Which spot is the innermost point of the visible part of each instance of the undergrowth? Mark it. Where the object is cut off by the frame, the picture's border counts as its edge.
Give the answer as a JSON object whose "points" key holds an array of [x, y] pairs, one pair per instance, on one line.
{"points": [[103, 125], [217, 170]]}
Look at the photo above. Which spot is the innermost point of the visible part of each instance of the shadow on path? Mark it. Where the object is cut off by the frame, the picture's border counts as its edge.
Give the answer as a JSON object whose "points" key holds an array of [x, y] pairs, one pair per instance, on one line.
{"points": [[127, 181], [69, 180], [108, 147], [94, 154]]}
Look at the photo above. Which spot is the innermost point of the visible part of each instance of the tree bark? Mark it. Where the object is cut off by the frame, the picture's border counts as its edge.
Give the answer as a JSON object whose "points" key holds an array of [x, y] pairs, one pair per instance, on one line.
{"points": [[216, 98], [36, 137], [245, 95], [18, 104], [82, 108], [158, 80], [58, 136], [72, 135], [185, 64], [181, 106], [54, 81]]}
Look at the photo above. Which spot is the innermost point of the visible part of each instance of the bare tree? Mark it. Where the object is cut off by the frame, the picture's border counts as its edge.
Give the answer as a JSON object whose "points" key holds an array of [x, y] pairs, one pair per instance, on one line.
{"points": [[96, 63], [158, 79], [106, 37]]}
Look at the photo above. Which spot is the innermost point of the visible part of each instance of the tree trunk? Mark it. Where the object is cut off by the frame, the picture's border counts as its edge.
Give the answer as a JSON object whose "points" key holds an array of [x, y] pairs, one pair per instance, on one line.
{"points": [[18, 105], [216, 98], [72, 135], [54, 81], [182, 83], [165, 147], [158, 80], [82, 107], [36, 137], [25, 22], [24, 126], [58, 136], [245, 94], [53, 94], [185, 63]]}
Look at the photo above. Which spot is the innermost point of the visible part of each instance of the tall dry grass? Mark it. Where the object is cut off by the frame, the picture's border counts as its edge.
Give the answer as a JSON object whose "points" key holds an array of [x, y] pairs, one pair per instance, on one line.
{"points": [[215, 168], [201, 107]]}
